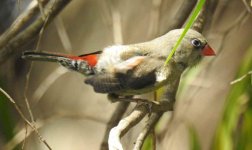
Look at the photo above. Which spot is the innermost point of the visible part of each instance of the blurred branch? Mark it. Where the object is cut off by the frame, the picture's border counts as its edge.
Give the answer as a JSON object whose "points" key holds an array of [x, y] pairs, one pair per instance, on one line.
{"points": [[25, 137], [124, 125], [13, 45], [154, 18], [148, 127], [20, 22], [113, 19], [46, 83], [116, 117], [239, 20], [205, 15], [33, 127], [117, 26], [61, 30], [248, 7], [21, 136], [182, 14], [41, 8]]}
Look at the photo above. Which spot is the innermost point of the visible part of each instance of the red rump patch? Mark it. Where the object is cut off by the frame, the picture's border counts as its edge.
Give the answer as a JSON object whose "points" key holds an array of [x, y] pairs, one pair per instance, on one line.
{"points": [[91, 59]]}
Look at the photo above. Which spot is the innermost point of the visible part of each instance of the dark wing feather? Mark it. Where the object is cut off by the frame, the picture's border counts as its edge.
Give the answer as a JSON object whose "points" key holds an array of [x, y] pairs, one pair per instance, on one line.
{"points": [[105, 83], [141, 76]]}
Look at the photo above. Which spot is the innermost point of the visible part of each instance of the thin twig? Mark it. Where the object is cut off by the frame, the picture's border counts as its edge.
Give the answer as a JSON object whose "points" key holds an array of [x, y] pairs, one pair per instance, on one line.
{"points": [[30, 69], [27, 103], [41, 8], [21, 136], [20, 22], [25, 119], [31, 31], [148, 127], [241, 78], [116, 117], [26, 134], [124, 125]]}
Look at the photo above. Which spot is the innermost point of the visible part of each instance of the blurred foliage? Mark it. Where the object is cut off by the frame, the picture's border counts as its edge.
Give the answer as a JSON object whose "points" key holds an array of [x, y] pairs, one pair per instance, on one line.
{"points": [[194, 140], [235, 128], [148, 143]]}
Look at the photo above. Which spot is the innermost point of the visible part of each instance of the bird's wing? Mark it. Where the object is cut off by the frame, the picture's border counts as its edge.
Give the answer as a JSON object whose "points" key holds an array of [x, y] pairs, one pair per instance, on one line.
{"points": [[134, 73]]}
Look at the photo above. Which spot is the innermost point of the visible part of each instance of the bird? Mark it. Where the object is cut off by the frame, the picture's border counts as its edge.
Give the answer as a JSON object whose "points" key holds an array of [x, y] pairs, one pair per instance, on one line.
{"points": [[128, 70]]}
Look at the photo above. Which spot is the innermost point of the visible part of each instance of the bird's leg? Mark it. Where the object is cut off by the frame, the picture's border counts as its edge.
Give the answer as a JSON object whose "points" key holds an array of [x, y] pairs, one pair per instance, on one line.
{"points": [[114, 98], [149, 104], [152, 106]]}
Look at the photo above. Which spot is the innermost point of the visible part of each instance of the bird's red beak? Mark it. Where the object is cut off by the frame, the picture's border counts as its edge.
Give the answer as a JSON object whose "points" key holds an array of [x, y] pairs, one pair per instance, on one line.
{"points": [[208, 51]]}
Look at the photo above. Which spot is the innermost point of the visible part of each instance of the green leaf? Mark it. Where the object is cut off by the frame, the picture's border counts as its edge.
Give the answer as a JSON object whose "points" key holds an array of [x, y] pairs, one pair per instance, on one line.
{"points": [[190, 22]]}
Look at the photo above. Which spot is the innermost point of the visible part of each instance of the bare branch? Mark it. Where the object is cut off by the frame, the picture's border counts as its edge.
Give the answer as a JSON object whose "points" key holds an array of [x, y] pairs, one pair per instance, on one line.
{"points": [[205, 15], [31, 31], [241, 78], [124, 125], [26, 133], [116, 117], [148, 127], [21, 136], [20, 22]]}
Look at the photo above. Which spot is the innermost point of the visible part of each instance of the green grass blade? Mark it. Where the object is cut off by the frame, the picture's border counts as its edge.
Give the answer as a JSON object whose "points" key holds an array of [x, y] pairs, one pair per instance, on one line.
{"points": [[190, 22]]}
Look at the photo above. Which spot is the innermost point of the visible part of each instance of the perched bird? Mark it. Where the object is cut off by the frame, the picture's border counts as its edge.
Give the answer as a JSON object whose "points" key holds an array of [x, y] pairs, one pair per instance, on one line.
{"points": [[134, 69]]}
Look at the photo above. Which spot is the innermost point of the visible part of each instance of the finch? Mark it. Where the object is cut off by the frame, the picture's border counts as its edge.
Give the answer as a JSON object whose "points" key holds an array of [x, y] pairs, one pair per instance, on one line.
{"points": [[136, 68]]}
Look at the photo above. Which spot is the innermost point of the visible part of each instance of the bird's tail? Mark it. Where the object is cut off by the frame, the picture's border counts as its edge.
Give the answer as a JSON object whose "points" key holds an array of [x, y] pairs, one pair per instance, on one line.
{"points": [[83, 63]]}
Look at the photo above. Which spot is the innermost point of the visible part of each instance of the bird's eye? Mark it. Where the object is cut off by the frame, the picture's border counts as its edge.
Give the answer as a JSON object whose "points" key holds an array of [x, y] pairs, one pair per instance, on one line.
{"points": [[196, 43]]}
